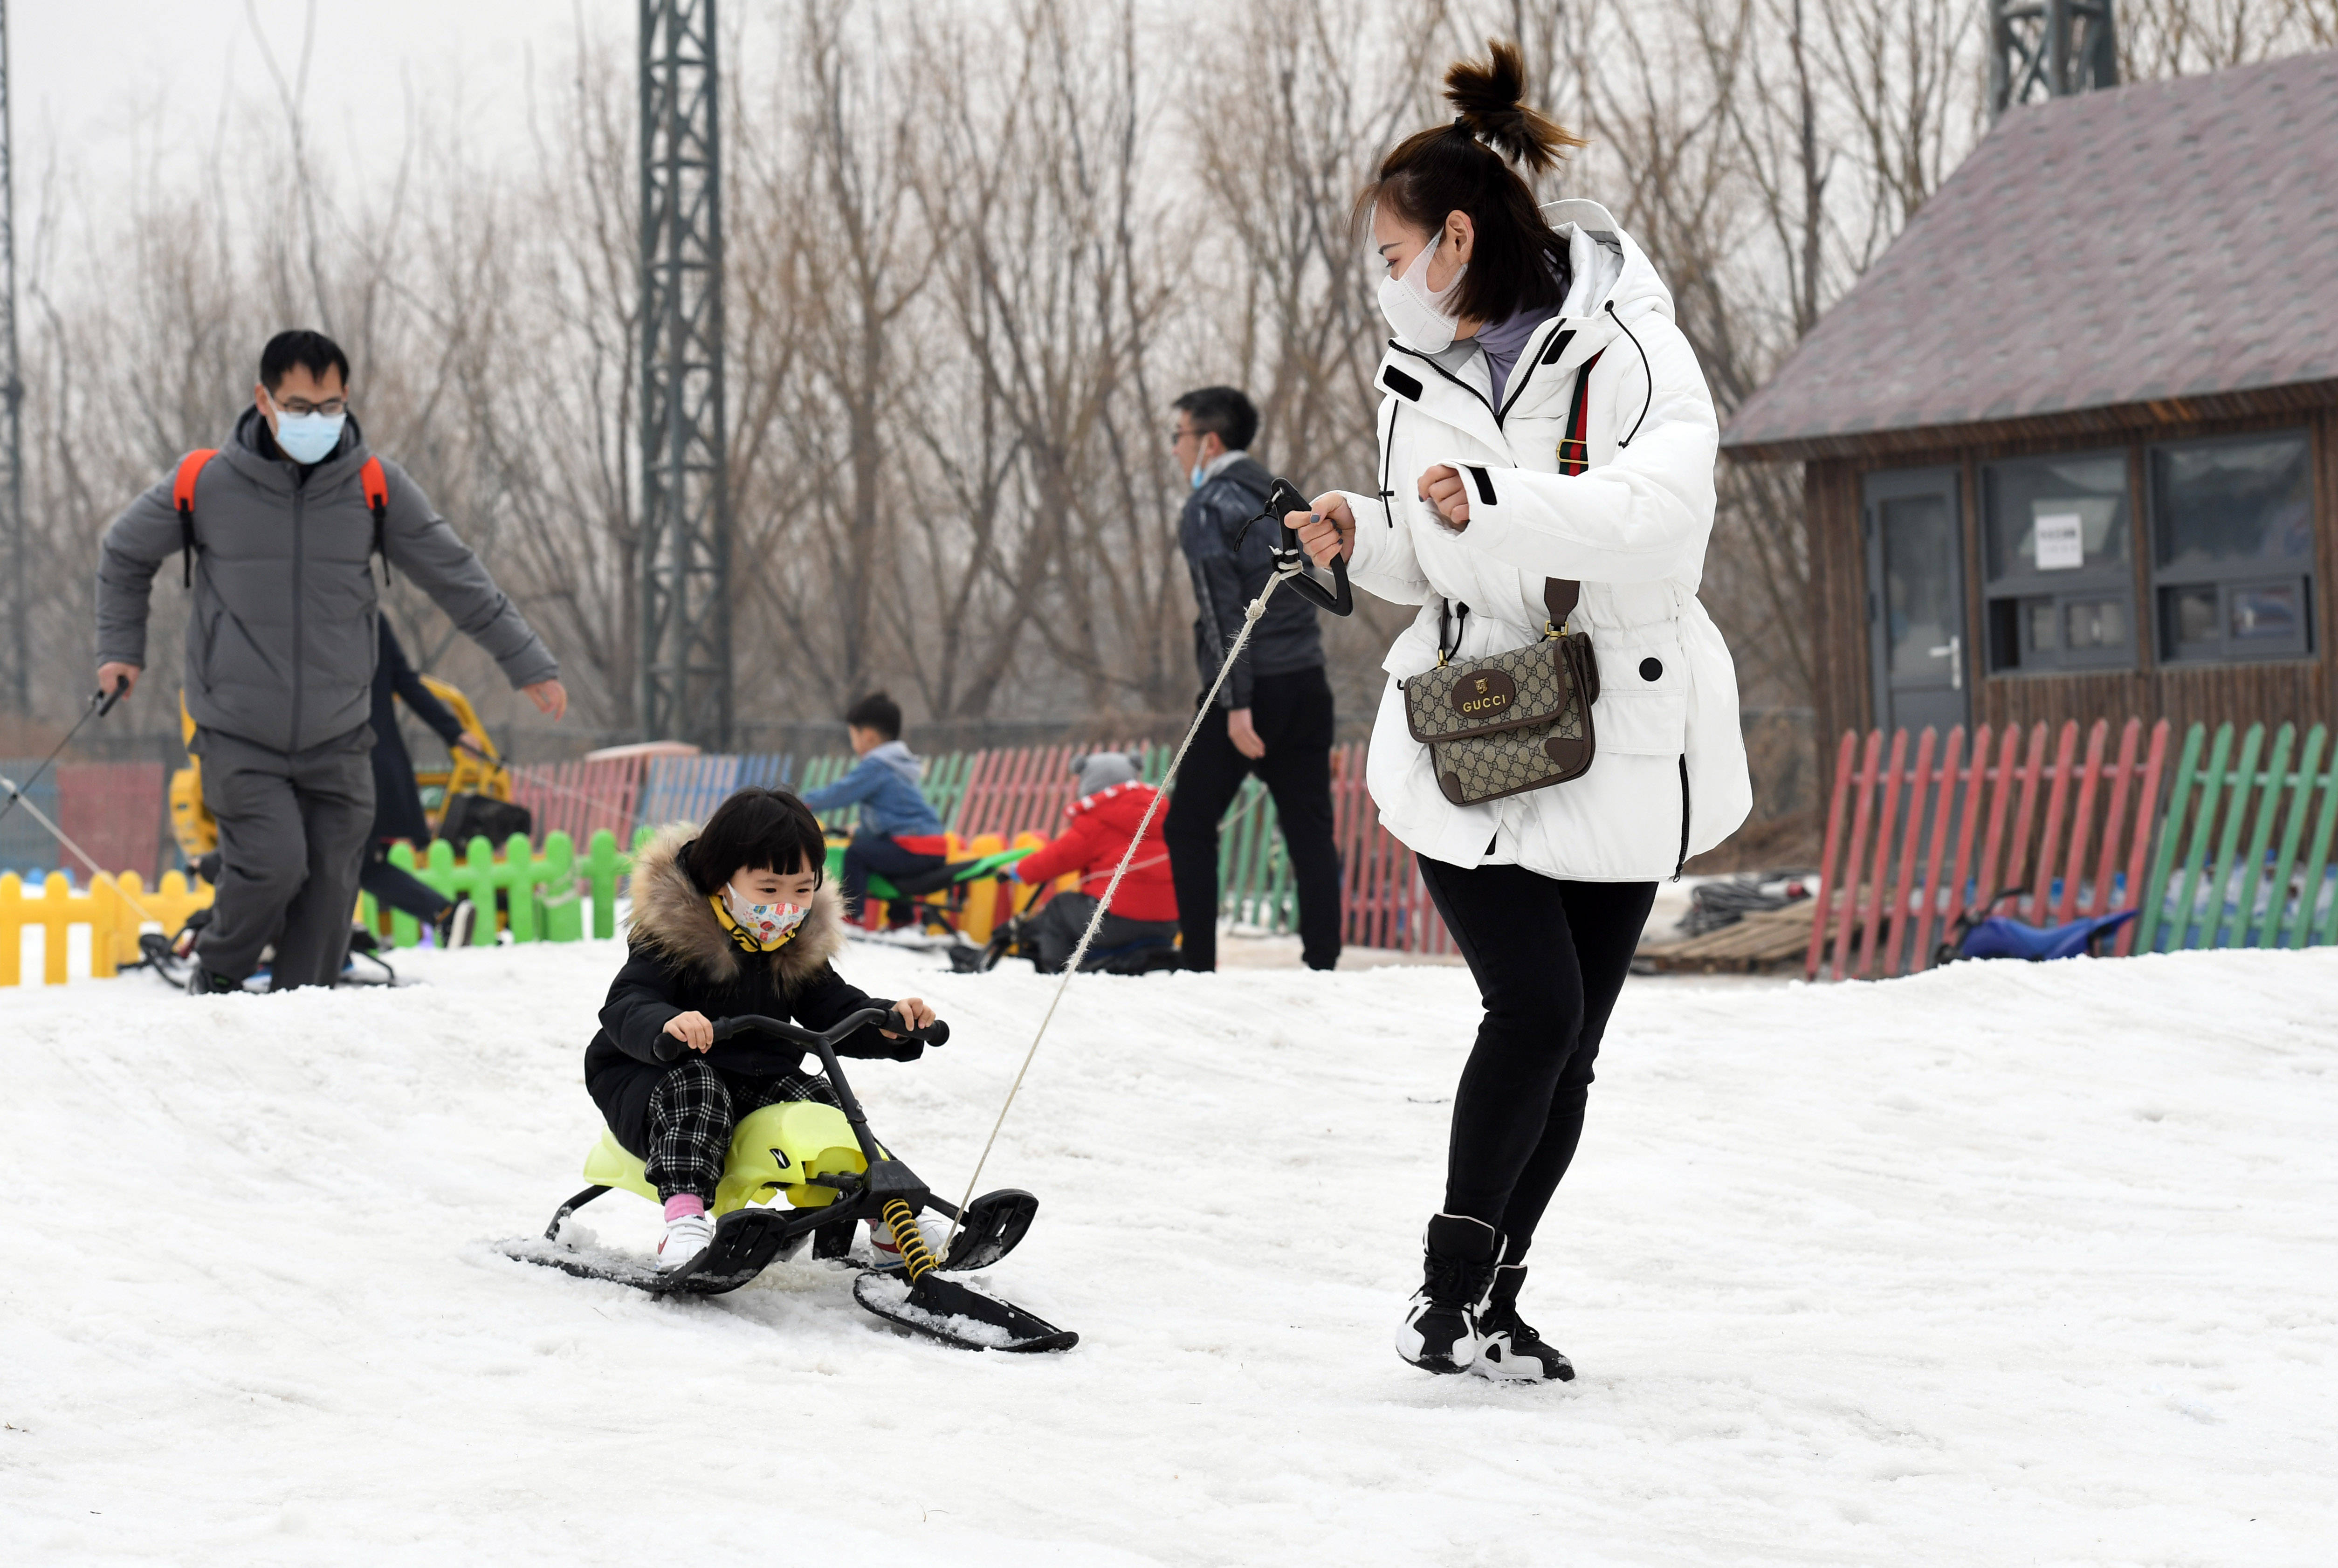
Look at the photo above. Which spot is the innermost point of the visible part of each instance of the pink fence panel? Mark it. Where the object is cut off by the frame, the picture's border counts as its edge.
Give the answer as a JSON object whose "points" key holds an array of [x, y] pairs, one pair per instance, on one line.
{"points": [[115, 811], [1384, 902], [581, 797]]}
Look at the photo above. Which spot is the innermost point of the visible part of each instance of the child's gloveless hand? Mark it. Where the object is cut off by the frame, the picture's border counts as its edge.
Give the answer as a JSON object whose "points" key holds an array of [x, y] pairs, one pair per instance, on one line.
{"points": [[692, 1029], [912, 1011]]}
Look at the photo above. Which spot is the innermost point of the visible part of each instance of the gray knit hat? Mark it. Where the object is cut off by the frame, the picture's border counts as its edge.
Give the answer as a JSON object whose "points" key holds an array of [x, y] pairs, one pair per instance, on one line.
{"points": [[1101, 770]]}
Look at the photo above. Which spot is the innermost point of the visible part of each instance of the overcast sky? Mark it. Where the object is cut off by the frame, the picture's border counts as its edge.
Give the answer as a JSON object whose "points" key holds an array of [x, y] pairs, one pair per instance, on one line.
{"points": [[104, 82]]}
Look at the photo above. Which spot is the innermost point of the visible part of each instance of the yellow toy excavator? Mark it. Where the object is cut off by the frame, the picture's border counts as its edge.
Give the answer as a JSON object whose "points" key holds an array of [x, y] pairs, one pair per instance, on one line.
{"points": [[198, 834]]}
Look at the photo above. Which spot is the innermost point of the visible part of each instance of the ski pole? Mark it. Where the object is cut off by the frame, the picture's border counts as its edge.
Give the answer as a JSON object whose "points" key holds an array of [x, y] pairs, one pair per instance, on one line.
{"points": [[100, 704], [1072, 965]]}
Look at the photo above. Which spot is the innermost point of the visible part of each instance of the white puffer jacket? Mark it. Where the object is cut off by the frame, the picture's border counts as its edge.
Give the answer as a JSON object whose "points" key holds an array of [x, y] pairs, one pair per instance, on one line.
{"points": [[1669, 780]]}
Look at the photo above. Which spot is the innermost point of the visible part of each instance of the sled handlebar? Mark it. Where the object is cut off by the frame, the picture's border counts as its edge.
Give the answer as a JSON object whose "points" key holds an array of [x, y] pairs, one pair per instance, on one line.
{"points": [[934, 1033]]}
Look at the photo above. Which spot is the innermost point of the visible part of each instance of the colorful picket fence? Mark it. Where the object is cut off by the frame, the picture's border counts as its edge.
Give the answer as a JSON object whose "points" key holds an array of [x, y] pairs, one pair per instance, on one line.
{"points": [[2238, 855], [1914, 844]]}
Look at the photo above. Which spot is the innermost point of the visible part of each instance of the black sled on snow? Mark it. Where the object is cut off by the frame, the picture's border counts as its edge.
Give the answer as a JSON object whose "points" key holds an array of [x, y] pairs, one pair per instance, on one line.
{"points": [[834, 1174]]}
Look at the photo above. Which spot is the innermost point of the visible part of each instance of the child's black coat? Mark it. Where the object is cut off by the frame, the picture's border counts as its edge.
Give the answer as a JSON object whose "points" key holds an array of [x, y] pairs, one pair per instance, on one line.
{"points": [[683, 960]]}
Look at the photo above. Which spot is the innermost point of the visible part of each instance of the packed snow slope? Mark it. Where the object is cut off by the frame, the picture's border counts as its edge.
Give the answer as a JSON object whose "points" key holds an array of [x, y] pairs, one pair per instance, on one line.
{"points": [[2000, 1264]]}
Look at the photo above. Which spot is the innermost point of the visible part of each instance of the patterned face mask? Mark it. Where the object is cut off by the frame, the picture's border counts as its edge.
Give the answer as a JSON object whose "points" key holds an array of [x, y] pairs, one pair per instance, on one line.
{"points": [[769, 924]]}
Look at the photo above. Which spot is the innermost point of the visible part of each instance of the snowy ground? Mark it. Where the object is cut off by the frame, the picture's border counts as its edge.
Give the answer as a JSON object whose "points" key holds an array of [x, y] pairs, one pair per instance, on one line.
{"points": [[2002, 1264]]}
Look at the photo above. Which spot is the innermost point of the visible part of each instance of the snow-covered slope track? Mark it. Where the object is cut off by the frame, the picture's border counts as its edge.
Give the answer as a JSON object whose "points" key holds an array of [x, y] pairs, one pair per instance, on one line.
{"points": [[2000, 1264]]}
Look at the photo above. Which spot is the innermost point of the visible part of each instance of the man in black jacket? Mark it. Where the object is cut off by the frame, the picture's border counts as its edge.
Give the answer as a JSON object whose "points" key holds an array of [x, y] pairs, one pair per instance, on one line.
{"points": [[1277, 702]]}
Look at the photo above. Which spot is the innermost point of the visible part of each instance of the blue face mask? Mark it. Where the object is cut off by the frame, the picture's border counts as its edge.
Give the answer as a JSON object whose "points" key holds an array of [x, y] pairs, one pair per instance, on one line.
{"points": [[1200, 475], [308, 437]]}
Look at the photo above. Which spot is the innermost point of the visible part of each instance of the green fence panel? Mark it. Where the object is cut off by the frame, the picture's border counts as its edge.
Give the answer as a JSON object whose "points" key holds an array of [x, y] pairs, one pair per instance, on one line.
{"points": [[558, 888], [2293, 833], [2209, 784], [2232, 835], [602, 866], [2233, 801], [2319, 862], [2252, 863], [2154, 887]]}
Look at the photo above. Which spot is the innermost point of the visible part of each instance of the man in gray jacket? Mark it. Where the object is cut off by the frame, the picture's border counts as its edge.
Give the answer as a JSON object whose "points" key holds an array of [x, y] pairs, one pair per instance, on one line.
{"points": [[278, 531]]}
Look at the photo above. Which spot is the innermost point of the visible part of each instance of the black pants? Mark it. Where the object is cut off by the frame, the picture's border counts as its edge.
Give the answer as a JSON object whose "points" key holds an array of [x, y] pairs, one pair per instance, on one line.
{"points": [[884, 856], [1292, 714], [1549, 958], [292, 831], [401, 890], [694, 1111], [1055, 930]]}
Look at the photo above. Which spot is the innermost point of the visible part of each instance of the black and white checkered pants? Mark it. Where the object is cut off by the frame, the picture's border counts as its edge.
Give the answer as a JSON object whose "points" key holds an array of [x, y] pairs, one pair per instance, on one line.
{"points": [[694, 1111]]}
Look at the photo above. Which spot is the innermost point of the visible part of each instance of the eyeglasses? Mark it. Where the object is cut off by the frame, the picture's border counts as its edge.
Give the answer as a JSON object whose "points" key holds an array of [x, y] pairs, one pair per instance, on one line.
{"points": [[1179, 436], [332, 407]]}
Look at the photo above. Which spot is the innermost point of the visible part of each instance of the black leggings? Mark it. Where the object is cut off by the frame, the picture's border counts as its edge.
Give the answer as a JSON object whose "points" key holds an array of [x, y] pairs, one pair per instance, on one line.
{"points": [[1549, 958]]}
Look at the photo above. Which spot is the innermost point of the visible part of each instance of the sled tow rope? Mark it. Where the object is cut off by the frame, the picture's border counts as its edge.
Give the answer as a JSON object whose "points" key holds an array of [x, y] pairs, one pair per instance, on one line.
{"points": [[1072, 965]]}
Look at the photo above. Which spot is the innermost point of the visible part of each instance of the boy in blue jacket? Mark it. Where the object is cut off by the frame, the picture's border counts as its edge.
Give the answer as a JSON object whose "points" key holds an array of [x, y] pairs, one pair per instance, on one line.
{"points": [[898, 834]]}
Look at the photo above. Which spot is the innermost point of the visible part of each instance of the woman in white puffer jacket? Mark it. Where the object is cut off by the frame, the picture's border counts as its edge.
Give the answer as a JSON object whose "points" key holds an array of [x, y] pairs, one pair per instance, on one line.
{"points": [[1499, 309]]}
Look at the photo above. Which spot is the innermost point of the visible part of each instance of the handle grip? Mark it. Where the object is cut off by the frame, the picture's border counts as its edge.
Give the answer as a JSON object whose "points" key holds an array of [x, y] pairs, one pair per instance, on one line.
{"points": [[106, 699], [1290, 559]]}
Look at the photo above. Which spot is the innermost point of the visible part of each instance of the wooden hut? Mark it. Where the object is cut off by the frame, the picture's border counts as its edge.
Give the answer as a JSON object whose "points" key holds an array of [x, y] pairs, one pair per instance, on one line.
{"points": [[2070, 447]]}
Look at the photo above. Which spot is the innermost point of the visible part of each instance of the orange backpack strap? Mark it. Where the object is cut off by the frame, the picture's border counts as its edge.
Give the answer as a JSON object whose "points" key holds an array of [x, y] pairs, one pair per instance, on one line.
{"points": [[376, 494], [182, 496]]}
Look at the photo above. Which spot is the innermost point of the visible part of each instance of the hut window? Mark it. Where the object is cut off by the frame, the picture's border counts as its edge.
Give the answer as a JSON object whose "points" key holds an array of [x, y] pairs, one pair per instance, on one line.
{"points": [[2060, 591], [2232, 533]]}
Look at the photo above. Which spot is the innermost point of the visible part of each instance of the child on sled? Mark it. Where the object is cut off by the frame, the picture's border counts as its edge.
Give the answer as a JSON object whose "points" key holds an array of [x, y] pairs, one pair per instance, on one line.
{"points": [[737, 917]]}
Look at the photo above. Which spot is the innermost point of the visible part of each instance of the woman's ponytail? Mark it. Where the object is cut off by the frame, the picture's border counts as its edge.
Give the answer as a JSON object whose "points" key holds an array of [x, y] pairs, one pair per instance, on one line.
{"points": [[1491, 99]]}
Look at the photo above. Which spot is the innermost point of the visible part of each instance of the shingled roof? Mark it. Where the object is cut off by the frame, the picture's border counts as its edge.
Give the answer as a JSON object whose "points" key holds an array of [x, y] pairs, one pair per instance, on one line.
{"points": [[2165, 243]]}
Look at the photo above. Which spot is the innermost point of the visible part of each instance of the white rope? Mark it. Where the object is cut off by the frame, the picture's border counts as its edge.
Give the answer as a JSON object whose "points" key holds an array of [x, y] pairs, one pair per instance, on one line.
{"points": [[1072, 965], [99, 876]]}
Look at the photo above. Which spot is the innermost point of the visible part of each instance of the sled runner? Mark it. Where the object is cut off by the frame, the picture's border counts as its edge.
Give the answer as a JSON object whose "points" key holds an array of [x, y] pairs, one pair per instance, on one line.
{"points": [[833, 1173]]}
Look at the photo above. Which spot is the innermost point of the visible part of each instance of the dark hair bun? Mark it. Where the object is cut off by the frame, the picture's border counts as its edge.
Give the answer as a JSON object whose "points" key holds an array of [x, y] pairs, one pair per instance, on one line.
{"points": [[1491, 99]]}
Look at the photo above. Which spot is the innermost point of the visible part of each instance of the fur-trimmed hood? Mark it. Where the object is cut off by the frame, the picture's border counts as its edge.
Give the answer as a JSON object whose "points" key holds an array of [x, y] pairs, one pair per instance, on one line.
{"points": [[672, 920]]}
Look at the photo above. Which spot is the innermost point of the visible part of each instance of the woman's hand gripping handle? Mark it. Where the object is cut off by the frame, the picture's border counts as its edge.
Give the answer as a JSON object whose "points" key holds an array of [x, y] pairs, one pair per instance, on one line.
{"points": [[1327, 531]]}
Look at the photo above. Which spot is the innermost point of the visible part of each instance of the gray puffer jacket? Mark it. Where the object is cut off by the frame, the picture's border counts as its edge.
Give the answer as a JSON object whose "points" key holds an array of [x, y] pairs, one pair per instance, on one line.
{"points": [[281, 645]]}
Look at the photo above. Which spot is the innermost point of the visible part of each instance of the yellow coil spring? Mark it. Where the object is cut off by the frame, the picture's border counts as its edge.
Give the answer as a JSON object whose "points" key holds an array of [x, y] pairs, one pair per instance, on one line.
{"points": [[916, 1258]]}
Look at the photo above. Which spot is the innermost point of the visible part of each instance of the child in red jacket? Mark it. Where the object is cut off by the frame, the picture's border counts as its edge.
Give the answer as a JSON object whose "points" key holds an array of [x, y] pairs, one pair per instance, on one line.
{"points": [[1104, 819]]}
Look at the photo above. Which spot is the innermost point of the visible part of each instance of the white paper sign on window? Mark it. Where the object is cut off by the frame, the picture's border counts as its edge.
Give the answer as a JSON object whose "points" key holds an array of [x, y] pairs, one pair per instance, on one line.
{"points": [[2061, 541]]}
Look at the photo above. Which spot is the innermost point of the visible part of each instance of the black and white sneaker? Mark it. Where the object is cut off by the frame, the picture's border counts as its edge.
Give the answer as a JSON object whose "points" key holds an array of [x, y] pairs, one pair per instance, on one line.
{"points": [[1509, 1348], [1440, 1332], [454, 927]]}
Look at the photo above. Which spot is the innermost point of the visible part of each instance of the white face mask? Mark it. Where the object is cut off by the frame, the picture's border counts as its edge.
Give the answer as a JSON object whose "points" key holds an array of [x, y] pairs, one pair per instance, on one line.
{"points": [[766, 923], [1422, 318]]}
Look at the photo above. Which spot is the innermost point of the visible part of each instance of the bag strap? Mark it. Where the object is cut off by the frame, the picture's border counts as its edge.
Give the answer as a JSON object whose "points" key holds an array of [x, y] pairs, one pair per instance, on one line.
{"points": [[1445, 652], [376, 485], [1561, 594], [183, 497]]}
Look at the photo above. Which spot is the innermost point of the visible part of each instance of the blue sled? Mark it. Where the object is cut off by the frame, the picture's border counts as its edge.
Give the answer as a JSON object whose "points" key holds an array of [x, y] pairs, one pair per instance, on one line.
{"points": [[2001, 937]]}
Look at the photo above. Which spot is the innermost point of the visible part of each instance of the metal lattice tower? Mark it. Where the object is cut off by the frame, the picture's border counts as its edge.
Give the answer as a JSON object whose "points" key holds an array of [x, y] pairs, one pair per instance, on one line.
{"points": [[12, 398], [685, 551], [2048, 49]]}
